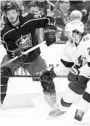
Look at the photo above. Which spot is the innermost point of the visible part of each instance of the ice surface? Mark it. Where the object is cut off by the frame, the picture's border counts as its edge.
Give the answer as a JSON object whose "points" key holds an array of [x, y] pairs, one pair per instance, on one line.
{"points": [[27, 106]]}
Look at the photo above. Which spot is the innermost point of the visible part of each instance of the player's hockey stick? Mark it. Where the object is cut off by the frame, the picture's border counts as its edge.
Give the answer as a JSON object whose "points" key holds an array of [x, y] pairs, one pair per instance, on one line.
{"points": [[24, 53], [27, 76]]}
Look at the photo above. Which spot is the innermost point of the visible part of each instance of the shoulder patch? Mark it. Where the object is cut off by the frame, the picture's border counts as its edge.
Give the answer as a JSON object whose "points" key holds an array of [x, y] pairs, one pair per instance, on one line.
{"points": [[85, 38]]}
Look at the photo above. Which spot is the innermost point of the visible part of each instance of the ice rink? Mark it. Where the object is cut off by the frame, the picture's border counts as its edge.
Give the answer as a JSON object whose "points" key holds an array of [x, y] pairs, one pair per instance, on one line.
{"points": [[24, 104]]}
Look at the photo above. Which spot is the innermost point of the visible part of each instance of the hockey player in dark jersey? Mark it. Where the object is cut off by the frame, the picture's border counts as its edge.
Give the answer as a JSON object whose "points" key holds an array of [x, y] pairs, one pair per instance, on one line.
{"points": [[19, 35]]}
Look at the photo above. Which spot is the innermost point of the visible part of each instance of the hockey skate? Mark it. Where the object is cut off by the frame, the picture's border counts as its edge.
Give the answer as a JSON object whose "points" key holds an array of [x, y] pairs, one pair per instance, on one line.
{"points": [[56, 112], [79, 115]]}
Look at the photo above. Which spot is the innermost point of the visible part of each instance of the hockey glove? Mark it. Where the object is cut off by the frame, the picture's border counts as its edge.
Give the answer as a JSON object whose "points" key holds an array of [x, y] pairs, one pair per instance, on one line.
{"points": [[14, 53], [73, 74], [49, 34], [19, 53], [79, 62]]}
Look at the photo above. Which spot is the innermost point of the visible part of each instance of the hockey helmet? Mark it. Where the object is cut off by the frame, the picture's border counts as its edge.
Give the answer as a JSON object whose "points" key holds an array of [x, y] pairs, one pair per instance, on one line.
{"points": [[79, 26], [74, 26]]}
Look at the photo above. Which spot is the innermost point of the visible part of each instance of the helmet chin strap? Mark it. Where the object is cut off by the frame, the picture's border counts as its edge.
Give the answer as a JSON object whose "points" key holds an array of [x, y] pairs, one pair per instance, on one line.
{"points": [[77, 39]]}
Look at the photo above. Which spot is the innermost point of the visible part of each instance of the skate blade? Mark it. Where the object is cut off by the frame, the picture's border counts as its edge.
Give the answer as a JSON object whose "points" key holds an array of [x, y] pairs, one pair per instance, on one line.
{"points": [[56, 113]]}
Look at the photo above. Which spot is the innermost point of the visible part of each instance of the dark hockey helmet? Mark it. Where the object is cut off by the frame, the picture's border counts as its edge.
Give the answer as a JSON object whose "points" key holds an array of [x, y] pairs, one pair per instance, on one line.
{"points": [[10, 6]]}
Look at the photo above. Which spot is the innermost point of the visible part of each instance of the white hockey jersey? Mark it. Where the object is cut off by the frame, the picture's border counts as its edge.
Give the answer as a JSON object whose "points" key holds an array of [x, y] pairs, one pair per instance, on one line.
{"points": [[84, 51], [84, 47], [71, 50]]}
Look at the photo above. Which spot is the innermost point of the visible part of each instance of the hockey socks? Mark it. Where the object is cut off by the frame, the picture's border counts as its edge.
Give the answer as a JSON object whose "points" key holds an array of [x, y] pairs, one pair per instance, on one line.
{"points": [[65, 104]]}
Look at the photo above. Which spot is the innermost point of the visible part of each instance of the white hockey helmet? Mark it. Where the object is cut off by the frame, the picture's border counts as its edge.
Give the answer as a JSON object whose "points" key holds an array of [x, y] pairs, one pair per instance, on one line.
{"points": [[76, 15], [74, 25]]}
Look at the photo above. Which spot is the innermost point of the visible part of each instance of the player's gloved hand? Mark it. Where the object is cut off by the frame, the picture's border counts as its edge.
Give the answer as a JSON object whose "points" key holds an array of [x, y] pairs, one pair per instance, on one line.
{"points": [[16, 52], [19, 53], [50, 31], [49, 34], [73, 74]]}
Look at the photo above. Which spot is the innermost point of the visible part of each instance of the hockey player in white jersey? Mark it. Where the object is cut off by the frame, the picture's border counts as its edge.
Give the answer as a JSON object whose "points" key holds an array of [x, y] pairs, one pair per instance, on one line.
{"points": [[84, 103], [69, 54], [79, 76], [74, 32], [77, 87]]}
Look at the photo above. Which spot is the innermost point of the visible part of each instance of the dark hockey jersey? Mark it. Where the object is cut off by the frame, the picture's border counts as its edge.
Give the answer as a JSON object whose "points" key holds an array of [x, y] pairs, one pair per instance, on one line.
{"points": [[23, 36]]}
